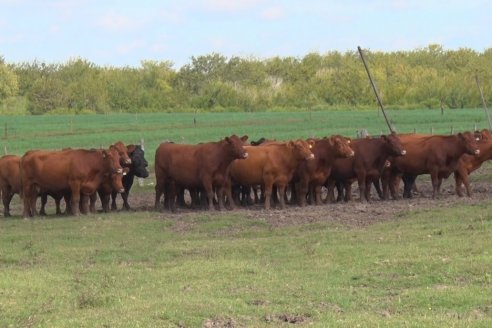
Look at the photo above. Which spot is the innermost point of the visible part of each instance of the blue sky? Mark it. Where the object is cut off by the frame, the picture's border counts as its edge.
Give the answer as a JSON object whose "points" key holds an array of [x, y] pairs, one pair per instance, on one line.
{"points": [[123, 33]]}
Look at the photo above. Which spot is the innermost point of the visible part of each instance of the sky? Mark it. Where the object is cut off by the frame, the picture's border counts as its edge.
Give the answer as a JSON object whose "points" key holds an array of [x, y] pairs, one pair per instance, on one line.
{"points": [[124, 33]]}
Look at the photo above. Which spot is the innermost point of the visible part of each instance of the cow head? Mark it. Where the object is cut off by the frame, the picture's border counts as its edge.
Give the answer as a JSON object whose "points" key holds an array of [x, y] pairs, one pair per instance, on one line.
{"points": [[302, 149], [112, 161], [342, 146], [123, 153], [139, 163], [393, 144], [236, 146], [469, 142]]}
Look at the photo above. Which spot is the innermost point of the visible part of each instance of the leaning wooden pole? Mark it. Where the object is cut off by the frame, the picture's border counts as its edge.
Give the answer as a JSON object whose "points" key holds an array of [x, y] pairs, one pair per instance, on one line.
{"points": [[484, 104], [375, 90]]}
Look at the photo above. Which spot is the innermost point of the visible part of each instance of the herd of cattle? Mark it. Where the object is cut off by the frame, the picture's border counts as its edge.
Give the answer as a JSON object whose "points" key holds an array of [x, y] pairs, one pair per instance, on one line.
{"points": [[230, 171]]}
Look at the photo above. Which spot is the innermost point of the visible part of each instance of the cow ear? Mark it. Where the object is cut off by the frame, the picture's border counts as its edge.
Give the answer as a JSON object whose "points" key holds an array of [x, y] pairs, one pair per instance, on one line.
{"points": [[227, 139], [130, 148], [244, 138], [384, 137], [104, 153], [291, 144]]}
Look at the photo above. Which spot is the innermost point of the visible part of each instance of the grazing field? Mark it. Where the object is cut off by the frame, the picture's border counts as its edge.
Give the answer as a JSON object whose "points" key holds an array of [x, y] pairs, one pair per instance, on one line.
{"points": [[405, 263], [415, 267], [22, 133]]}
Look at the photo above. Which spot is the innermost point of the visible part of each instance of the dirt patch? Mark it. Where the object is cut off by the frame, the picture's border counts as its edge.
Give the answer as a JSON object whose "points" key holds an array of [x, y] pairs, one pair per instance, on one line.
{"points": [[221, 322], [353, 213]]}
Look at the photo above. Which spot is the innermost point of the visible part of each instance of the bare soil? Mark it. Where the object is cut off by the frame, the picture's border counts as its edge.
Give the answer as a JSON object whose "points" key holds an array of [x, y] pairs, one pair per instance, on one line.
{"points": [[353, 213]]}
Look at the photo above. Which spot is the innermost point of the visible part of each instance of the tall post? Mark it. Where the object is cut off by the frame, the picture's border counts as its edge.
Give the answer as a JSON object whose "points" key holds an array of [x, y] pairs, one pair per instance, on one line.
{"points": [[484, 104], [380, 102], [142, 145]]}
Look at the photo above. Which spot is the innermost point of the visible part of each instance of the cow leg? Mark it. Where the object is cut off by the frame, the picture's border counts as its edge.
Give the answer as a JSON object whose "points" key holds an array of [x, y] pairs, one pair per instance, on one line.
{"points": [[303, 191], [84, 204], [408, 181], [105, 198], [68, 209], [159, 191], [210, 196], [377, 186], [367, 193], [114, 195], [44, 200], [347, 189], [57, 205], [394, 185], [7, 195], [435, 183], [281, 195], [330, 187], [75, 200], [268, 193]]}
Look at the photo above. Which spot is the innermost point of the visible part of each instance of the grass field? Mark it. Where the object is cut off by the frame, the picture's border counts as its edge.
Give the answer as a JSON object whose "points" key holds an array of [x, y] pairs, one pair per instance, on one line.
{"points": [[431, 268], [427, 267], [22, 133]]}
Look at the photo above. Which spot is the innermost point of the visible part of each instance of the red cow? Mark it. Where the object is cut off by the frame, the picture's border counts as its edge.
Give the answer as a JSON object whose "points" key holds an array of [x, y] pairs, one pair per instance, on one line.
{"points": [[10, 182], [269, 165], [437, 155], [313, 174], [78, 172], [366, 166], [195, 166]]}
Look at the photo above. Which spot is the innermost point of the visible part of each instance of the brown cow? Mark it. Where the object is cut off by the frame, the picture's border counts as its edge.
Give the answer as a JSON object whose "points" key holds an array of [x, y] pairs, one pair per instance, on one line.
{"points": [[366, 165], [469, 163], [313, 174], [10, 182], [124, 152], [437, 155], [269, 165], [79, 172], [195, 166]]}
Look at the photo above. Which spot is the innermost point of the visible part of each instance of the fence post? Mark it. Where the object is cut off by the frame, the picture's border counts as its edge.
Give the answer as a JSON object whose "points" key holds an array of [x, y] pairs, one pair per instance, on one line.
{"points": [[142, 145], [432, 130]]}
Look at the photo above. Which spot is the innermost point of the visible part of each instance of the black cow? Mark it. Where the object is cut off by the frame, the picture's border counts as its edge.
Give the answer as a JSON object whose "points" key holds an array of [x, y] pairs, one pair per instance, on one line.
{"points": [[137, 168]]}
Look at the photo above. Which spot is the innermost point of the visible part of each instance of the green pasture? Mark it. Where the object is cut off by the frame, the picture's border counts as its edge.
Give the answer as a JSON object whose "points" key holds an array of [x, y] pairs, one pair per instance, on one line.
{"points": [[427, 268], [21, 133]]}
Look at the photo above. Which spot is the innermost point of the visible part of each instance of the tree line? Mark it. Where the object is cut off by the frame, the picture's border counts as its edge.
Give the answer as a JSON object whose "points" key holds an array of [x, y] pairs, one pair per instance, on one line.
{"points": [[429, 77]]}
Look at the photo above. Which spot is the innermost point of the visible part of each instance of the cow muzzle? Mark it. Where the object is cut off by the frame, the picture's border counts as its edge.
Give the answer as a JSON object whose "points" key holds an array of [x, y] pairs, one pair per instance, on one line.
{"points": [[245, 155], [118, 171], [403, 152], [311, 156], [352, 154], [128, 161], [477, 152]]}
